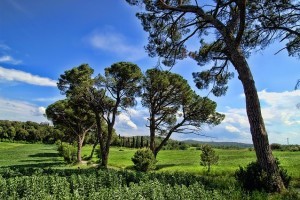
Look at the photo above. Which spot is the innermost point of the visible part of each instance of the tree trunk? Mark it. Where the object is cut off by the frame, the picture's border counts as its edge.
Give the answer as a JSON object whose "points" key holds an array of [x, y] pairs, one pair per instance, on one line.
{"points": [[94, 147], [79, 147], [101, 140], [104, 158], [257, 127], [152, 134], [105, 151]]}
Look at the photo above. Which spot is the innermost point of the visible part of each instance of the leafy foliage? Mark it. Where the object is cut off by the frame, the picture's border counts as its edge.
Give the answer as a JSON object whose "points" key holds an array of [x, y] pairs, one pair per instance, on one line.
{"points": [[253, 177], [28, 131], [227, 32], [144, 160], [208, 157], [67, 151], [174, 107], [112, 184], [75, 120]]}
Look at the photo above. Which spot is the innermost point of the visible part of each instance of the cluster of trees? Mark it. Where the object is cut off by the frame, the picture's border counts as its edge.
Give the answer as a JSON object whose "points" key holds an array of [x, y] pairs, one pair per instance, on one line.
{"points": [[227, 31], [28, 131], [144, 141], [93, 103], [133, 142], [280, 147]]}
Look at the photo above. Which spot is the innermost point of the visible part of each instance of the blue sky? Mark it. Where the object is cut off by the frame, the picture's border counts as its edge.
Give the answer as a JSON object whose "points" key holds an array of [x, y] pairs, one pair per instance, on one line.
{"points": [[39, 40]]}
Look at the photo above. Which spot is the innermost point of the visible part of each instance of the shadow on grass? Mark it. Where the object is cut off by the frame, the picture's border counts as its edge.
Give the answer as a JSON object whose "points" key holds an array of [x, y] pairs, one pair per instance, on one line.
{"points": [[49, 160], [44, 155], [161, 166], [130, 167], [37, 165], [158, 167]]}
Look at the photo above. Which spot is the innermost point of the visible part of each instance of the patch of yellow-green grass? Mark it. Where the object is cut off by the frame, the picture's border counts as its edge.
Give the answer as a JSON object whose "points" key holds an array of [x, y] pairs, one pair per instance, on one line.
{"points": [[28, 155]]}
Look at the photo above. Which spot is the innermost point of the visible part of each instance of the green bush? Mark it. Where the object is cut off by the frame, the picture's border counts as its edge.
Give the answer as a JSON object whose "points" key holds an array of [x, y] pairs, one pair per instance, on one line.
{"points": [[67, 151], [184, 146], [144, 160], [253, 177]]}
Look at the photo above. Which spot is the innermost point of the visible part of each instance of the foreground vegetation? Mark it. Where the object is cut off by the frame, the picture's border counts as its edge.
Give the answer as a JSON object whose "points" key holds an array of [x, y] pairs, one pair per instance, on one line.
{"points": [[113, 184]]}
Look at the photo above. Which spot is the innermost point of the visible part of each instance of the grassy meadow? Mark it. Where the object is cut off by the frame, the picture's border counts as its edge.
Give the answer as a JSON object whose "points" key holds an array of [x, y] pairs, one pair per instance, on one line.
{"points": [[41, 155], [58, 180]]}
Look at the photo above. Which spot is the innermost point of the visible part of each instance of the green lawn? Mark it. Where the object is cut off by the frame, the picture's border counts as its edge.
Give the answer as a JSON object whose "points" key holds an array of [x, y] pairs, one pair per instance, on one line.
{"points": [[29, 155], [41, 155]]}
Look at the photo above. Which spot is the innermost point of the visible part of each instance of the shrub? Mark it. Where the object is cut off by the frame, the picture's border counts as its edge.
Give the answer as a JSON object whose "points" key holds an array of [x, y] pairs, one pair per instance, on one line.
{"points": [[67, 151], [144, 160], [184, 146], [253, 177]]}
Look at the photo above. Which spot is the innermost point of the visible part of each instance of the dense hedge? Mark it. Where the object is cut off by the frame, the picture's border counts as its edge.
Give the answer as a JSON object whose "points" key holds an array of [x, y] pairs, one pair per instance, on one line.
{"points": [[91, 187], [29, 183]]}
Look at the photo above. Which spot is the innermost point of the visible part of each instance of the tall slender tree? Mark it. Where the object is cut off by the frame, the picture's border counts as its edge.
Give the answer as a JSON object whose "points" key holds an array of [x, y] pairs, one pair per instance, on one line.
{"points": [[121, 82], [227, 33], [85, 91], [174, 107]]}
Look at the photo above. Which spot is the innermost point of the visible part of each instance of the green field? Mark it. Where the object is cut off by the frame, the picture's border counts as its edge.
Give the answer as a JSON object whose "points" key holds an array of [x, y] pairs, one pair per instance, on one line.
{"points": [[41, 155], [29, 155], [78, 182]]}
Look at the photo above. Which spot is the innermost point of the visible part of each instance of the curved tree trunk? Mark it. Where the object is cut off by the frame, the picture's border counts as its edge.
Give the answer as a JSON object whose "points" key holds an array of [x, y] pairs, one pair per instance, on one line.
{"points": [[257, 127]]}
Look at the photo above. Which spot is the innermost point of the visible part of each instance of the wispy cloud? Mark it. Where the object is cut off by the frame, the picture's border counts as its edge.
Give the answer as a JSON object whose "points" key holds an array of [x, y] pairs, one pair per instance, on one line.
{"points": [[4, 47], [9, 59], [17, 6], [113, 42], [20, 111], [50, 99], [21, 76]]}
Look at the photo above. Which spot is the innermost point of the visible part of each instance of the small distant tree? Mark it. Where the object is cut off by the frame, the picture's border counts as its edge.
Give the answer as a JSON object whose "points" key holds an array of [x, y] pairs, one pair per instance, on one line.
{"points": [[208, 157]]}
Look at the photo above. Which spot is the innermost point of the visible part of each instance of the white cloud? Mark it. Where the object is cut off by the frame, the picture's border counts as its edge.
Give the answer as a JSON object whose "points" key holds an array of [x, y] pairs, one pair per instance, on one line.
{"points": [[21, 76], [280, 113], [9, 59], [124, 120], [116, 43], [20, 111]]}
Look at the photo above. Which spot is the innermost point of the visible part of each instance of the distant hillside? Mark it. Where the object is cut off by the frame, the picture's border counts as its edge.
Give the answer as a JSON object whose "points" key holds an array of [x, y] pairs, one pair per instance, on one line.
{"points": [[220, 144]]}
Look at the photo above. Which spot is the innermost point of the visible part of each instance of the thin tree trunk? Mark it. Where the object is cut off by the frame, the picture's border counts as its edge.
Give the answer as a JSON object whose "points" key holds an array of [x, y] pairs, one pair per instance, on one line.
{"points": [[79, 147], [94, 147], [101, 139], [257, 127], [104, 158], [152, 133]]}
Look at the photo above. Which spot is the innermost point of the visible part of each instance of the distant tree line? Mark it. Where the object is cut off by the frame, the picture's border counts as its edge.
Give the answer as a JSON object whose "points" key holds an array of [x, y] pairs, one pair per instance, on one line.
{"points": [[29, 132], [280, 147], [144, 142]]}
